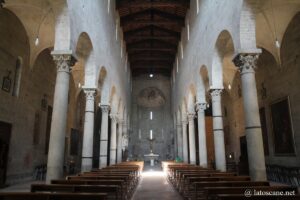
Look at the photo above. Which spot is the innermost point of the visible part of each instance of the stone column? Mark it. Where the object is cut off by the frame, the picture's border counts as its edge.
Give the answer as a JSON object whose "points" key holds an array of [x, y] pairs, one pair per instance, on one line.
{"points": [[219, 143], [88, 133], [113, 139], [119, 138], [64, 61], [185, 142], [192, 141], [246, 64], [104, 136], [200, 107], [179, 141]]}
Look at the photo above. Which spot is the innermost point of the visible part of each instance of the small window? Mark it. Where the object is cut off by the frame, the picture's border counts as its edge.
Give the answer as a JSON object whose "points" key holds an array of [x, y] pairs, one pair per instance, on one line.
{"points": [[177, 65], [17, 79], [188, 30], [151, 115], [181, 50], [108, 6]]}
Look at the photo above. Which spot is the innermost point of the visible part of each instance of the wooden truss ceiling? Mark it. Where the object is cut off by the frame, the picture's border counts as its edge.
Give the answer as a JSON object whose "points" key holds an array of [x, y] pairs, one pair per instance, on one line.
{"points": [[152, 31]]}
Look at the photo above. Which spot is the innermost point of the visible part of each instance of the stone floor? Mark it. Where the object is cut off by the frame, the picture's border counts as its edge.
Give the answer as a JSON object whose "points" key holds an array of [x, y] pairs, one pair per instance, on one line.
{"points": [[154, 185], [21, 187]]}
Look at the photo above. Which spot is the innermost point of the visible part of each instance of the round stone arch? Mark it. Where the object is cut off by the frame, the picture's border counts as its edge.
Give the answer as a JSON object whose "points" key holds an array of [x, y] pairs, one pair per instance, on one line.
{"points": [[202, 84], [62, 25], [191, 99], [113, 100], [224, 47], [85, 59]]}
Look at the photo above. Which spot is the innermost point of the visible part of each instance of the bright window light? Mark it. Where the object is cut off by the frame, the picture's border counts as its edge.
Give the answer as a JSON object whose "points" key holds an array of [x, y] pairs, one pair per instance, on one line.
{"points": [[151, 115], [151, 75]]}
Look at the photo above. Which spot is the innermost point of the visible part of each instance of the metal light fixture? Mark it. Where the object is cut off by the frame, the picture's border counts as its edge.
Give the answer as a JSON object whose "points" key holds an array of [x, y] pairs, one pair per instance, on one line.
{"points": [[37, 39], [277, 43]]}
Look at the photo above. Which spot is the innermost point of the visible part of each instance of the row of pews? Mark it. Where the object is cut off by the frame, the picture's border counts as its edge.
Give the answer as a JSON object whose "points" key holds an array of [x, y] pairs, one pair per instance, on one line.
{"points": [[195, 182], [115, 182]]}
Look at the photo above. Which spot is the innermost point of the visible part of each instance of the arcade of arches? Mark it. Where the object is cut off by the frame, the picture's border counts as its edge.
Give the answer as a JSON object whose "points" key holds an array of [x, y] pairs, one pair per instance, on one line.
{"points": [[86, 84]]}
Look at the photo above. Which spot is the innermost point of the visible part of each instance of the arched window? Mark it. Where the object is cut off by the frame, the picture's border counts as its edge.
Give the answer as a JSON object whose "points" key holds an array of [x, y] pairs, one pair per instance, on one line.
{"points": [[17, 79]]}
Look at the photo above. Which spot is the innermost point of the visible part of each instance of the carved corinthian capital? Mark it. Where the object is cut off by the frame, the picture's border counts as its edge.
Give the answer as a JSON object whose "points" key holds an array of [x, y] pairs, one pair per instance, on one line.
{"points": [[90, 93], [216, 92], [114, 117], [201, 107], [64, 60], [246, 62], [105, 108], [191, 116]]}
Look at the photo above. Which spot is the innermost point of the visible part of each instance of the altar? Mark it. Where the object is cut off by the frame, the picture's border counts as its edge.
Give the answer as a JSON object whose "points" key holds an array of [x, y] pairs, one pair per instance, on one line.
{"points": [[151, 156]]}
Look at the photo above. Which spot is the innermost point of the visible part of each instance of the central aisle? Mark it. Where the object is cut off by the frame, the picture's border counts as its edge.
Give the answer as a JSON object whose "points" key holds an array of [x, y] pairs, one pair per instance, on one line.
{"points": [[154, 185]]}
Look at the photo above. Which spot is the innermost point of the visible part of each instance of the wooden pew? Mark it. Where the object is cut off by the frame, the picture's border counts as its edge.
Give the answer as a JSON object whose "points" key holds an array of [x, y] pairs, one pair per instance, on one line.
{"points": [[199, 191], [52, 196], [212, 192], [121, 183], [242, 197], [113, 191]]}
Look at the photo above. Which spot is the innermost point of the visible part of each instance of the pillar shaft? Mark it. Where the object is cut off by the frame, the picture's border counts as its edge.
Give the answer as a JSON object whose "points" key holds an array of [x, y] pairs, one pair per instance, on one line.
{"points": [[119, 138], [179, 141], [185, 142], [202, 134], [113, 140], [219, 142], [88, 133], [192, 141], [104, 136], [256, 158], [59, 117]]}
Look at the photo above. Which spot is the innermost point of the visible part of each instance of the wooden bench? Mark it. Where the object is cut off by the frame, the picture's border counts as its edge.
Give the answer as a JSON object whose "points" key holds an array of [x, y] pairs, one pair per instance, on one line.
{"points": [[199, 191], [212, 192], [242, 197], [51, 196], [113, 191]]}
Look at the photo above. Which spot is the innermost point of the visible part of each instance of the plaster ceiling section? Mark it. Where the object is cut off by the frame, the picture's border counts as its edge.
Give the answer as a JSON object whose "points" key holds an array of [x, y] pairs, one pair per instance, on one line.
{"points": [[152, 31], [38, 19], [272, 20]]}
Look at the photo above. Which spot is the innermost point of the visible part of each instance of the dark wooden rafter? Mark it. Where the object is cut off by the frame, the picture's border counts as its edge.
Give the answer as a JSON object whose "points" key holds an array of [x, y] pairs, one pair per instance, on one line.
{"points": [[121, 4], [166, 18], [152, 30]]}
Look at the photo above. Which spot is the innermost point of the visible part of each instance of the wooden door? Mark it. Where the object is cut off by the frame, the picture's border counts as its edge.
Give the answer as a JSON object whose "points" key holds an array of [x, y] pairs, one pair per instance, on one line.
{"points": [[5, 133]]}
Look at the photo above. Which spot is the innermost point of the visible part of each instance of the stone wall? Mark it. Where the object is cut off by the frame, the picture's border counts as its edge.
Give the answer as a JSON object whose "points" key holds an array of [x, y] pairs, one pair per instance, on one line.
{"points": [[25, 111], [162, 122]]}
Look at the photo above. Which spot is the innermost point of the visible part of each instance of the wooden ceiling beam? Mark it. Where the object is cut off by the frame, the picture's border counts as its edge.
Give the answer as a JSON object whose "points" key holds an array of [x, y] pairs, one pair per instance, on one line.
{"points": [[154, 28], [151, 12], [152, 49], [121, 4], [147, 37], [161, 43], [154, 22]]}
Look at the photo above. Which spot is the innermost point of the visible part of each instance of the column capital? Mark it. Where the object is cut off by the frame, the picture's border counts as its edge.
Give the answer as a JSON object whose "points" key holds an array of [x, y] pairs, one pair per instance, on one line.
{"points": [[90, 93], [216, 92], [64, 60], [191, 116], [184, 122], [105, 108], [114, 117], [246, 62], [201, 107], [120, 120]]}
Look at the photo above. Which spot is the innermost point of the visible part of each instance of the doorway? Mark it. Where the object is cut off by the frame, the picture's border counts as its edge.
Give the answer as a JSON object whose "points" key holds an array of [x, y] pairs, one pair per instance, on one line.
{"points": [[5, 133]]}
